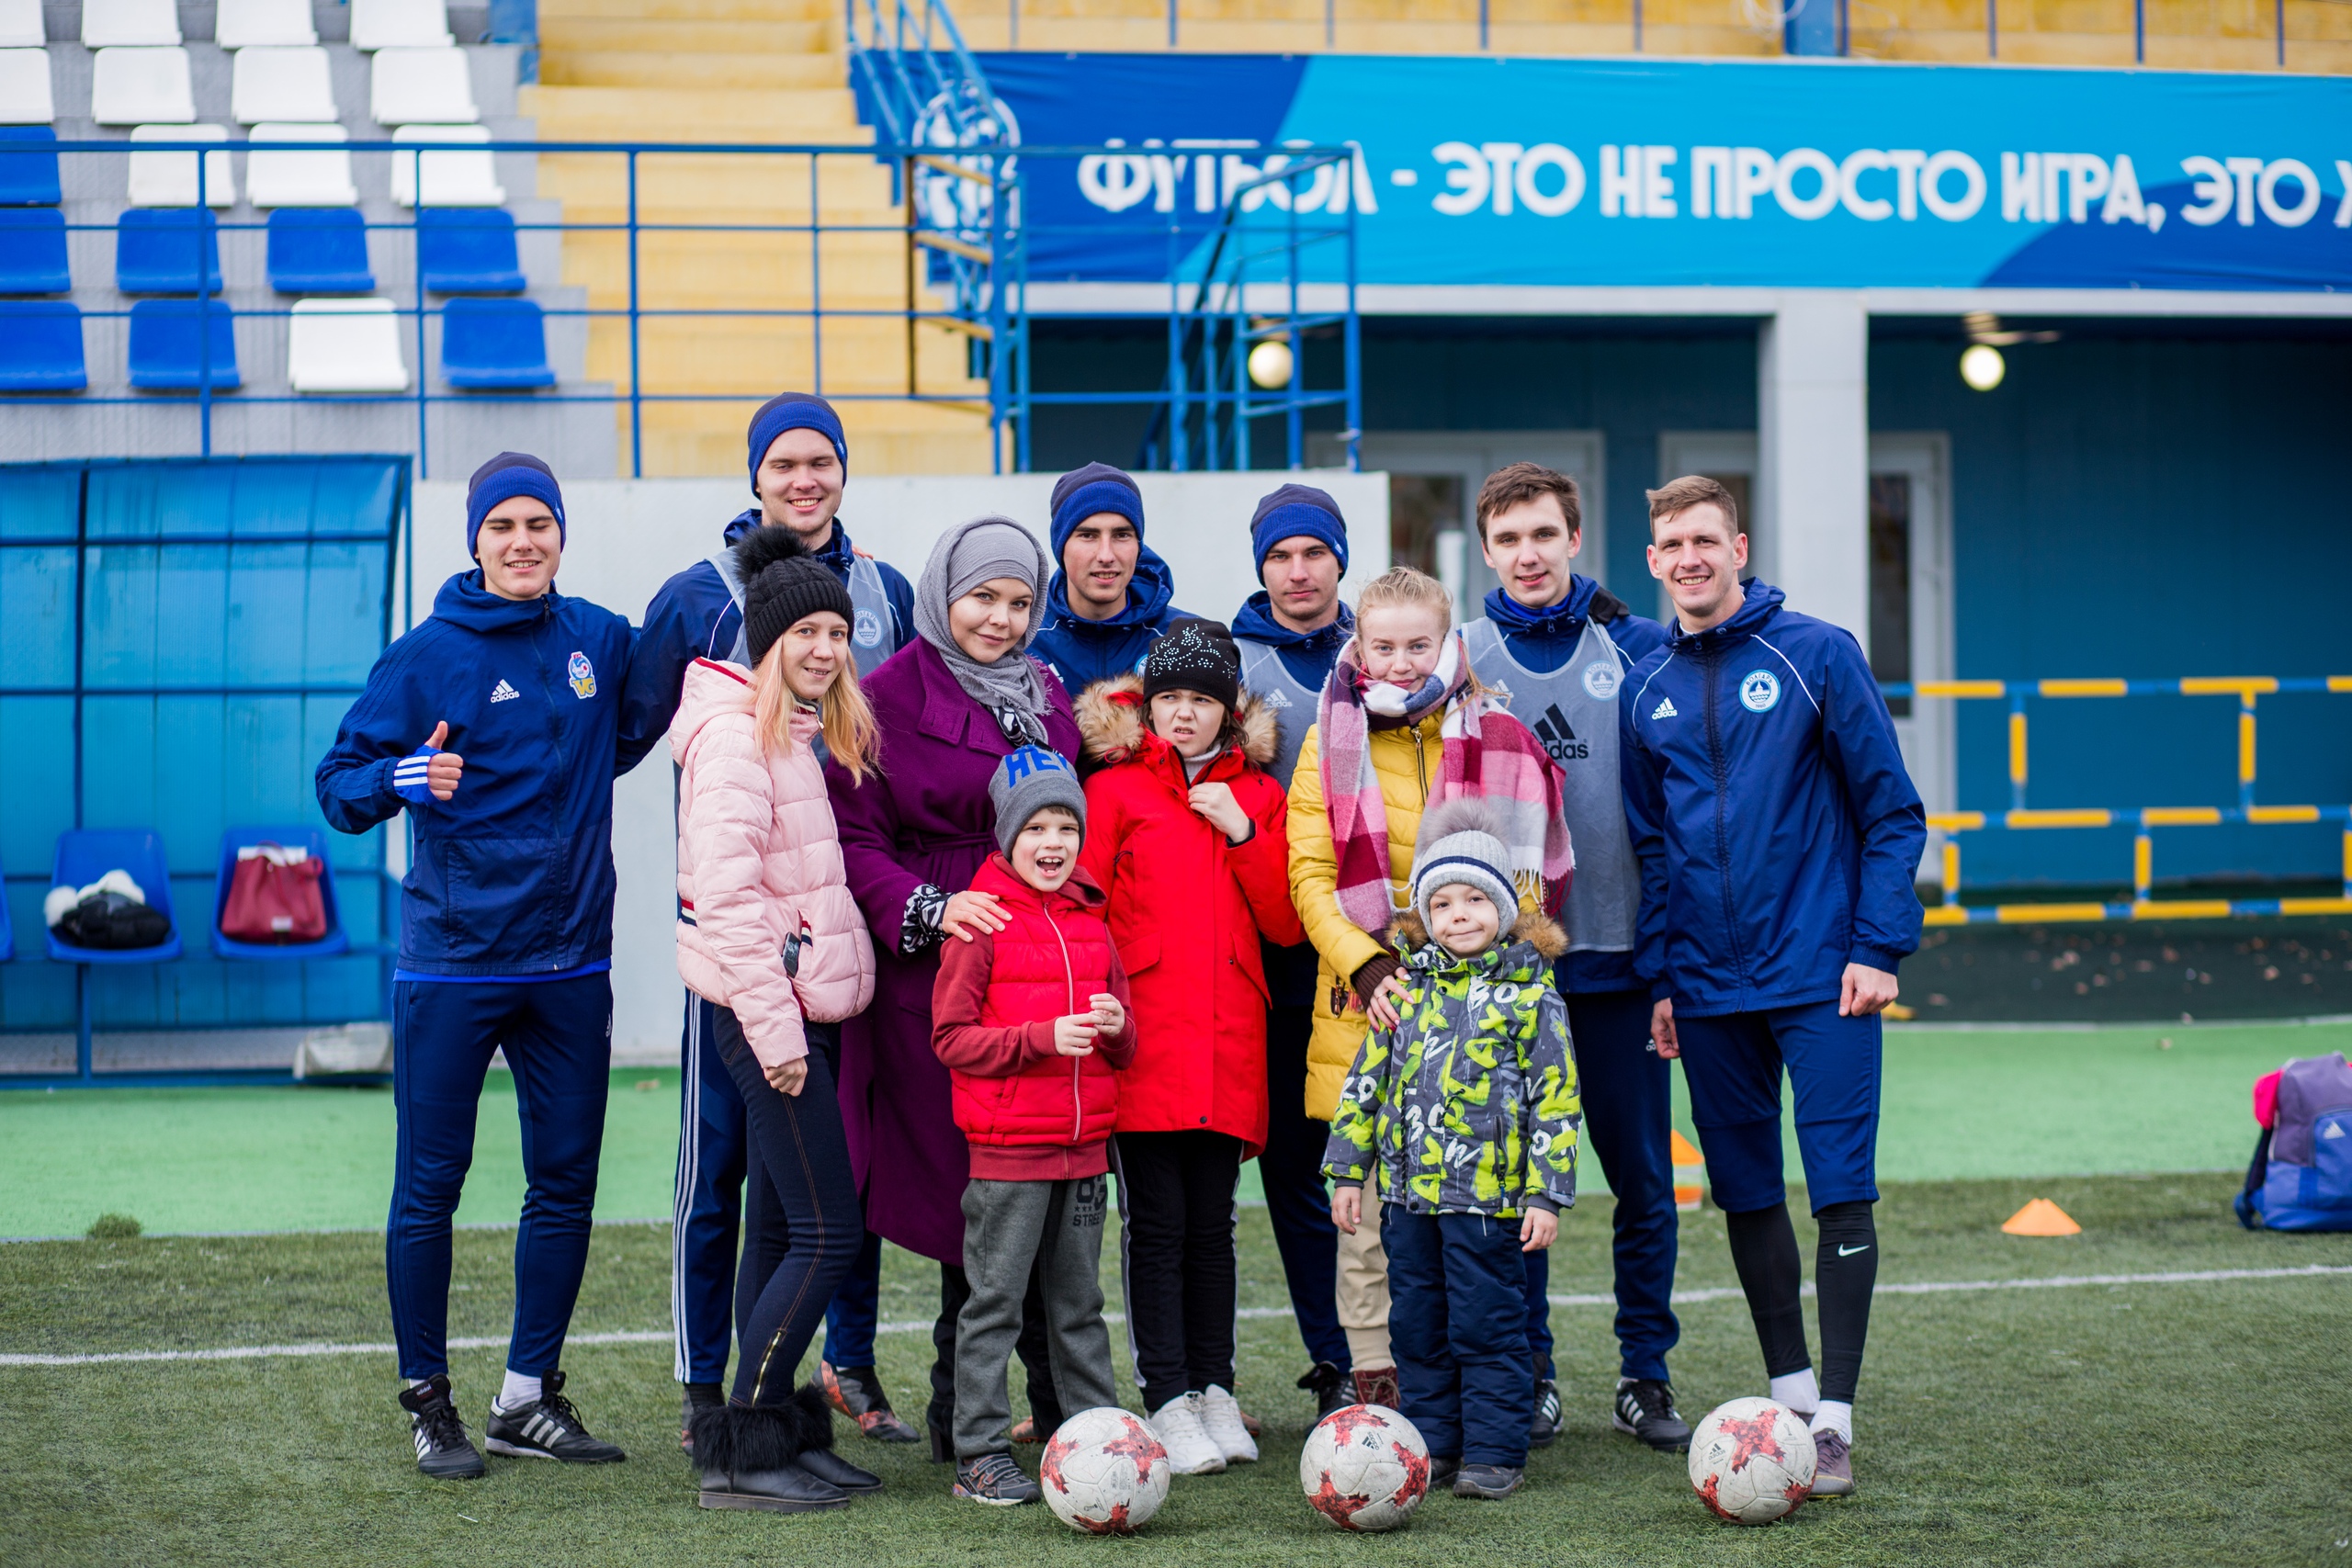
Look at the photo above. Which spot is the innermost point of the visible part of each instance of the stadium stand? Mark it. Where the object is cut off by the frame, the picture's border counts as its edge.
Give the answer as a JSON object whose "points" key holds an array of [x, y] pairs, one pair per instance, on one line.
{"points": [[107, 23], [85, 854], [296, 225], [20, 25], [750, 71], [32, 252]]}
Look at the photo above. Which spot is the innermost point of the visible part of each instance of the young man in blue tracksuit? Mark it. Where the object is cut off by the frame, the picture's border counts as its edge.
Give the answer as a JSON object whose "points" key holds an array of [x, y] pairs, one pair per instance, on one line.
{"points": [[1779, 837], [1110, 595], [1290, 634], [1560, 644], [496, 725], [799, 459]]}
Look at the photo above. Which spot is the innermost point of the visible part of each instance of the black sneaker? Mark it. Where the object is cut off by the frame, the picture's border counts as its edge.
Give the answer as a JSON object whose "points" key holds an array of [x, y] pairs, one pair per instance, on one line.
{"points": [[550, 1429], [1489, 1482], [1542, 1431], [1330, 1387], [1646, 1410], [995, 1480], [443, 1449]]}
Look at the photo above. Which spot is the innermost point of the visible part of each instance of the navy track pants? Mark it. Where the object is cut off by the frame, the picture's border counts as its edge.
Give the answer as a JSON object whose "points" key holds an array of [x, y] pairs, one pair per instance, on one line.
{"points": [[1458, 1324], [1733, 1064], [714, 1162], [1299, 1203], [1628, 1091], [558, 1039]]}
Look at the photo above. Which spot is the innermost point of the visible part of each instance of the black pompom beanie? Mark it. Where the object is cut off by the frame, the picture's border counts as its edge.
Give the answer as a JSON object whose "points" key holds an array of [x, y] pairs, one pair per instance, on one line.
{"points": [[782, 584]]}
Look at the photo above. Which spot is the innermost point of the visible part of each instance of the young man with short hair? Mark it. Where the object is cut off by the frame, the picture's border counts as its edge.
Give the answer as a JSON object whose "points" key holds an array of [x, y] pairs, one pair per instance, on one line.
{"points": [[799, 459], [1560, 644], [1778, 836], [1290, 634], [1110, 595]]}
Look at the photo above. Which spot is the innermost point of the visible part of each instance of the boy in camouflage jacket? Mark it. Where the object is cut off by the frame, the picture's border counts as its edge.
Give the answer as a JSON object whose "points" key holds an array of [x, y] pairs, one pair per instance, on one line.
{"points": [[1466, 1095]]}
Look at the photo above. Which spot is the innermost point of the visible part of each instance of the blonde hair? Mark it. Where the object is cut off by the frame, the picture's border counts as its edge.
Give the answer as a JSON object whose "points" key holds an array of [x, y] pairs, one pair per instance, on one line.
{"points": [[1402, 586], [848, 719]]}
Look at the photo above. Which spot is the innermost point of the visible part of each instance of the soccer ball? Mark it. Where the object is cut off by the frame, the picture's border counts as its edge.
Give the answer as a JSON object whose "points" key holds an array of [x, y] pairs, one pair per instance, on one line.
{"points": [[1103, 1473], [1751, 1461], [1365, 1468]]}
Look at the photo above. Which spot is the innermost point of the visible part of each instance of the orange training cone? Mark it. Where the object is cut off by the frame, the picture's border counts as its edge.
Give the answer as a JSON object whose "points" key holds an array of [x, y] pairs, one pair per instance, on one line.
{"points": [[1686, 1158], [2040, 1217]]}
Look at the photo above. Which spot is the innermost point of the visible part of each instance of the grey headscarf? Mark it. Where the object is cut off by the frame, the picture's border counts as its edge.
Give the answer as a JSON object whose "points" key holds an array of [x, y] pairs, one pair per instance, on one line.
{"points": [[966, 556]]}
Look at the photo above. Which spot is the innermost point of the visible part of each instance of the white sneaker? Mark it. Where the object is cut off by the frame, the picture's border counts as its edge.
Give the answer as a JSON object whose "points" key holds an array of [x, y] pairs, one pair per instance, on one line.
{"points": [[1221, 1420], [1191, 1451]]}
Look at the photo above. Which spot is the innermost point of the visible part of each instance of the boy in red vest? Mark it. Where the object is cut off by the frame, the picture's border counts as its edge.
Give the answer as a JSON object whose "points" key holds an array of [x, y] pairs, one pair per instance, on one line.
{"points": [[1032, 1021]]}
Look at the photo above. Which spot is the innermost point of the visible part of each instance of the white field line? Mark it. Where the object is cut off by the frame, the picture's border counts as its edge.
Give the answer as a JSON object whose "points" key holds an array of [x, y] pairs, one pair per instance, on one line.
{"points": [[662, 1336]]}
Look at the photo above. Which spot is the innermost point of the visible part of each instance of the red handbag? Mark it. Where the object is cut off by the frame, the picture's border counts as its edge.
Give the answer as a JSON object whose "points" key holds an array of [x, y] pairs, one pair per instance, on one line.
{"points": [[274, 896]]}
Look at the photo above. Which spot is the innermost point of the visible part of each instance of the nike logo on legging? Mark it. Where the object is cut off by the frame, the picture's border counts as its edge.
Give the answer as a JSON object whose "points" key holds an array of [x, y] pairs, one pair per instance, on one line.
{"points": [[1849, 1251]]}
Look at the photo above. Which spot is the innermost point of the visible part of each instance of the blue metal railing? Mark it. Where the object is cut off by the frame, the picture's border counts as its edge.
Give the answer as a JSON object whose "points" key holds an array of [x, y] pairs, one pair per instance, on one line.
{"points": [[966, 253]]}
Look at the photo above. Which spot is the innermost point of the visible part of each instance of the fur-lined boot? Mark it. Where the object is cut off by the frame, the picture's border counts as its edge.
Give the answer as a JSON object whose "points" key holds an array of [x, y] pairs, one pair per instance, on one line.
{"points": [[775, 1457]]}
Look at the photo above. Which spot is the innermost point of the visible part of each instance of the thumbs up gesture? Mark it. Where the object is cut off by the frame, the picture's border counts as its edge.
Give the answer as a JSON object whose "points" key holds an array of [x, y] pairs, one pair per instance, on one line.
{"points": [[429, 770]]}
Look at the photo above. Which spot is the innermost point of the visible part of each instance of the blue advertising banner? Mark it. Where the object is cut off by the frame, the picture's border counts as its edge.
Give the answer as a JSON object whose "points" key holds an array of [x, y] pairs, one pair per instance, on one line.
{"points": [[1780, 173]]}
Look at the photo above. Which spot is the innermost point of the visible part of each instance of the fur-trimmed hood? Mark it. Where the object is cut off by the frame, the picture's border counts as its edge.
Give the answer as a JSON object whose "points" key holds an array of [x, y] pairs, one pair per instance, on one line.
{"points": [[1537, 929], [1111, 717]]}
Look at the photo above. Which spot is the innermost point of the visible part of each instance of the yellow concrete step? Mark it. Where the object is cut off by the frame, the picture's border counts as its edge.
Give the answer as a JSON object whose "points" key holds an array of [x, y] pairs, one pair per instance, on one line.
{"points": [[688, 11], [711, 442], [755, 274], [625, 67], [788, 36], [741, 356], [717, 113]]}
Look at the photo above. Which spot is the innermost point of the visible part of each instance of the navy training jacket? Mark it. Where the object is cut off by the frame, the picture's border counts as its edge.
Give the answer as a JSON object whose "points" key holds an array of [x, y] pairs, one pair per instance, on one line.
{"points": [[513, 876], [1080, 653], [1778, 830]]}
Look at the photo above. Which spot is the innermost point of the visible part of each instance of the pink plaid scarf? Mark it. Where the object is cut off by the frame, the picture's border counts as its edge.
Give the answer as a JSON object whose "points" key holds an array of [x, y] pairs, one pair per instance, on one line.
{"points": [[1488, 753]]}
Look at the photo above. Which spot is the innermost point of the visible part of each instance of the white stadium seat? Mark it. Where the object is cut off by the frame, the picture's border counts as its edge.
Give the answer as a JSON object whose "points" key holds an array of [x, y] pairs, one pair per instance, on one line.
{"points": [[451, 179], [20, 25], [320, 178], [421, 86], [142, 87], [109, 24], [168, 179], [344, 345], [25, 97], [400, 24], [279, 86], [247, 24]]}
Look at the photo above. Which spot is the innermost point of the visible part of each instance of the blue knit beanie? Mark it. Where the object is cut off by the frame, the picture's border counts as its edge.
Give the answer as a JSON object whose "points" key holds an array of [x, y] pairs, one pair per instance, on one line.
{"points": [[1295, 511], [504, 477], [794, 411], [1082, 492]]}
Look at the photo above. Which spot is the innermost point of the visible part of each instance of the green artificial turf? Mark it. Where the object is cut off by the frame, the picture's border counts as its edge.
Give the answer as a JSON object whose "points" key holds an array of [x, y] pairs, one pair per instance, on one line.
{"points": [[2140, 1424], [1958, 1104]]}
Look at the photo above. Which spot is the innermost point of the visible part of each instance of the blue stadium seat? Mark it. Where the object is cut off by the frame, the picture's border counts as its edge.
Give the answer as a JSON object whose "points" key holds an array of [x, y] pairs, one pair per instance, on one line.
{"points": [[319, 249], [335, 940], [32, 252], [40, 346], [468, 250], [85, 854], [154, 249], [163, 346], [29, 172], [494, 344]]}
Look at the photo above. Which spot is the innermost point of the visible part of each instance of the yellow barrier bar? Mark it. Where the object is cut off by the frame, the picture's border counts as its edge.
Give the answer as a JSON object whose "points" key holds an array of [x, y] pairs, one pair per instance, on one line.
{"points": [[2026, 914], [2339, 683], [2180, 909], [2240, 686], [1951, 870], [2245, 743], [2016, 748], [2282, 813], [2143, 866], [2085, 688], [1988, 688], [2315, 905], [2347, 860], [1955, 821], [1944, 914], [2180, 817], [2090, 817]]}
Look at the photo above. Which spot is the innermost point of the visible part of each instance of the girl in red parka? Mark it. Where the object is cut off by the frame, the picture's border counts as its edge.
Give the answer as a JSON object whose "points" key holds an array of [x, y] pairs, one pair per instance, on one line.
{"points": [[1187, 836]]}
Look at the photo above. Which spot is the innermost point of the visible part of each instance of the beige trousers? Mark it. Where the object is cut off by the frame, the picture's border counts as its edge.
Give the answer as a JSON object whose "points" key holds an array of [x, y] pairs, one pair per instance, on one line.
{"points": [[1363, 1285]]}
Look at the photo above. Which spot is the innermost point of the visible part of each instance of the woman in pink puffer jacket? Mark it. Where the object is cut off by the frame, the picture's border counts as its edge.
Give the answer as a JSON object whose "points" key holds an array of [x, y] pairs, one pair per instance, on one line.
{"points": [[768, 934]]}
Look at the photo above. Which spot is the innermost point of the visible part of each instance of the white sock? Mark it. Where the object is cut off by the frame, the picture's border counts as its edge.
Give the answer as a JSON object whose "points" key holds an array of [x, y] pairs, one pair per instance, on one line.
{"points": [[418, 1382], [1795, 1390], [517, 1391], [1834, 1416]]}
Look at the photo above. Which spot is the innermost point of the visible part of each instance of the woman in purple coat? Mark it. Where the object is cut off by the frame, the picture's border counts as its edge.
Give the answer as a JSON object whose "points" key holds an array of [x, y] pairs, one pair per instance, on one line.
{"points": [[950, 705]]}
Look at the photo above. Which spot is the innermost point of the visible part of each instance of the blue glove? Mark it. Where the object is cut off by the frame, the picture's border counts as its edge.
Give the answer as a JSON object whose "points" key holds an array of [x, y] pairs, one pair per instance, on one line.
{"points": [[409, 773]]}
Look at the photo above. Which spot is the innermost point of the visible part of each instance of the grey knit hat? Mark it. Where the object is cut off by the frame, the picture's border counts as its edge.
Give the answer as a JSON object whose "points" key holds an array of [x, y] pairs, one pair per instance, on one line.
{"points": [[1459, 843], [1025, 784]]}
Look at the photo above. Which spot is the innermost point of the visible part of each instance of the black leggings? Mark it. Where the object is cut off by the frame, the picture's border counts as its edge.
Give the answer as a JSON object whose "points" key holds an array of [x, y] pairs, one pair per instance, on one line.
{"points": [[1176, 1254], [802, 1226]]}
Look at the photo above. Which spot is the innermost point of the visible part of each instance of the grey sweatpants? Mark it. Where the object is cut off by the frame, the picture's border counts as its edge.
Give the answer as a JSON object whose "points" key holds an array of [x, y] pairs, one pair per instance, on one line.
{"points": [[1008, 1227]]}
